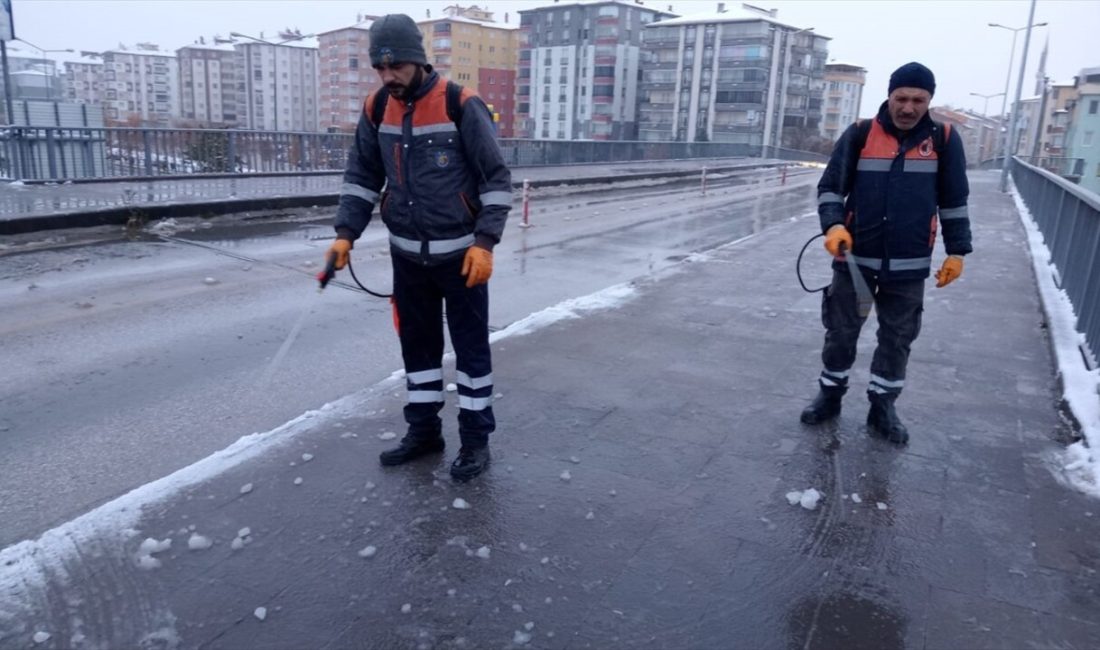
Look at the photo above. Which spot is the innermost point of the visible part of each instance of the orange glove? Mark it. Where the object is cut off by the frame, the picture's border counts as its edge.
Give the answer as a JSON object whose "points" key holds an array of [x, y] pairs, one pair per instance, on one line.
{"points": [[835, 236], [340, 248], [950, 271], [478, 266]]}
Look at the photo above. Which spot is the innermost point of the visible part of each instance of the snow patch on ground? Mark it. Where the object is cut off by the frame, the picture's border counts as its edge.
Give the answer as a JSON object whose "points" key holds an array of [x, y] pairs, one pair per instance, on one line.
{"points": [[608, 298], [1079, 464]]}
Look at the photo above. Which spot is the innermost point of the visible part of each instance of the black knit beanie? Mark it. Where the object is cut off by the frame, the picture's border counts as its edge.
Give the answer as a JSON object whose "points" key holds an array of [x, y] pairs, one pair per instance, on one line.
{"points": [[913, 75], [395, 39]]}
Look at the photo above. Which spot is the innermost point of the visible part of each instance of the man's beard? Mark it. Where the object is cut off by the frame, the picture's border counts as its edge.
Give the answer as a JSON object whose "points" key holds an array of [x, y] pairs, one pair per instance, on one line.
{"points": [[402, 91]]}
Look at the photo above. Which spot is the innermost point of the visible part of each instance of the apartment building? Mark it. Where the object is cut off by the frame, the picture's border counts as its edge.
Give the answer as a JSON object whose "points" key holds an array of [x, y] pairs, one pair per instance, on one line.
{"points": [[579, 69], [1083, 138], [278, 84], [843, 96], [468, 47], [140, 86], [208, 83], [82, 82], [1055, 120], [346, 77], [737, 75]]}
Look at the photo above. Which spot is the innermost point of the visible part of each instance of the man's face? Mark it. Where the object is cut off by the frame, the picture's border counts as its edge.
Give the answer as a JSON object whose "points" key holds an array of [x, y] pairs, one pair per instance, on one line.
{"points": [[397, 77], [907, 106]]}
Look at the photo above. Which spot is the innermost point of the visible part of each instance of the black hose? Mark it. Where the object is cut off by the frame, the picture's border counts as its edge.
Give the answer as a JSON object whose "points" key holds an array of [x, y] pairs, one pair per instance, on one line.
{"points": [[798, 265], [373, 293]]}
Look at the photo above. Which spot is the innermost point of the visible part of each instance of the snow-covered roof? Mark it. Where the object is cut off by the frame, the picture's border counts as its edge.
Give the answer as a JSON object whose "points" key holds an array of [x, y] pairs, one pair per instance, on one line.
{"points": [[219, 47], [845, 63], [361, 26], [85, 57], [1064, 84], [469, 21], [655, 6], [140, 52], [731, 15]]}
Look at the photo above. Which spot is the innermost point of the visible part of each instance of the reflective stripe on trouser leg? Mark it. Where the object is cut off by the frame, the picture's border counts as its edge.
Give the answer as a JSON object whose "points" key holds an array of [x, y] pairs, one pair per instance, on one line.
{"points": [[467, 320], [420, 309], [900, 306], [840, 316]]}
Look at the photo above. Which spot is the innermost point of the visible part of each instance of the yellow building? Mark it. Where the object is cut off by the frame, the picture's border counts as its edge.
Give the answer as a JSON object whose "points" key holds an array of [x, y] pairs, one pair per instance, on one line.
{"points": [[468, 47]]}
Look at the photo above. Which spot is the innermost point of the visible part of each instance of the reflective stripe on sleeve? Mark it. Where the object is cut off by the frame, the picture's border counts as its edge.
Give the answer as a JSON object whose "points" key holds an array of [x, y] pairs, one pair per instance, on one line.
{"points": [[961, 212], [496, 198], [351, 189]]}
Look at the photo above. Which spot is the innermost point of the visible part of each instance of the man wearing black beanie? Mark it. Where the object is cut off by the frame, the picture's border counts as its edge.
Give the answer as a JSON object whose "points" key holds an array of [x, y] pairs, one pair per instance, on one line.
{"points": [[890, 182], [432, 145]]}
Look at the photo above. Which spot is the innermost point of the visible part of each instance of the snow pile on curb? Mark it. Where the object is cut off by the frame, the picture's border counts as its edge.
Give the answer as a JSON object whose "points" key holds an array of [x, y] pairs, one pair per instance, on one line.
{"points": [[1080, 463]]}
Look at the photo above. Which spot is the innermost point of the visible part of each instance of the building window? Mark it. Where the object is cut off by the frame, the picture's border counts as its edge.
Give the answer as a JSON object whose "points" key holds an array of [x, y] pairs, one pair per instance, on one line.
{"points": [[1088, 139], [1093, 106], [353, 63]]}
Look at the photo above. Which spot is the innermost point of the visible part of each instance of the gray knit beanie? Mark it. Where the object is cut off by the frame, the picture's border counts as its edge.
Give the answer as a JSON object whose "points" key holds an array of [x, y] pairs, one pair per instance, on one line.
{"points": [[394, 38]]}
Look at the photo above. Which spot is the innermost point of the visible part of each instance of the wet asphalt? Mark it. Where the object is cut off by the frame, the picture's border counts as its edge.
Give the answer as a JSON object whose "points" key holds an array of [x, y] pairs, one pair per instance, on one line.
{"points": [[637, 497]]}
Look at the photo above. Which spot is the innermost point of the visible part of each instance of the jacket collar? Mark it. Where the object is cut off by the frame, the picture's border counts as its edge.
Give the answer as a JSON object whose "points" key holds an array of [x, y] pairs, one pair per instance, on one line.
{"points": [[918, 133], [429, 81]]}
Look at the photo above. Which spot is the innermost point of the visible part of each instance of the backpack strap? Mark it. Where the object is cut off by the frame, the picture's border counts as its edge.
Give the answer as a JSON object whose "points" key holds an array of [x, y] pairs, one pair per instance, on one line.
{"points": [[378, 108], [861, 135], [454, 103], [940, 137]]}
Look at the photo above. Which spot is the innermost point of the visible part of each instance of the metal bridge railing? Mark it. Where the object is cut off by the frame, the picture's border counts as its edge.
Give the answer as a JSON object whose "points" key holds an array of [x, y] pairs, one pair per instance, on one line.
{"points": [[58, 154], [1069, 218]]}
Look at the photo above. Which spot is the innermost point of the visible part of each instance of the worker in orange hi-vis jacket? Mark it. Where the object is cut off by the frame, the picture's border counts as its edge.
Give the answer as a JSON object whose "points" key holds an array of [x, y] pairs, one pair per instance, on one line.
{"points": [[431, 144], [890, 182]]}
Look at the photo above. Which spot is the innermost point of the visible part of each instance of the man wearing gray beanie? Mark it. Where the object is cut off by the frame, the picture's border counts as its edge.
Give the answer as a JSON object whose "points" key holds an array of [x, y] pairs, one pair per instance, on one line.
{"points": [[432, 145], [890, 182]]}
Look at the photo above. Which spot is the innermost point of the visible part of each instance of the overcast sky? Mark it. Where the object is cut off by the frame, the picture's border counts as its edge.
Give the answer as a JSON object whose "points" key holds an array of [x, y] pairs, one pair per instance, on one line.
{"points": [[951, 37]]}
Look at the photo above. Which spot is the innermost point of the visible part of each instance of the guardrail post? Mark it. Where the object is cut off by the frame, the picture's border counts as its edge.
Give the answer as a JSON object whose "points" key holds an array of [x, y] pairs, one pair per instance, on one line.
{"points": [[51, 155], [703, 181], [231, 152], [146, 138], [783, 180], [301, 151], [526, 203]]}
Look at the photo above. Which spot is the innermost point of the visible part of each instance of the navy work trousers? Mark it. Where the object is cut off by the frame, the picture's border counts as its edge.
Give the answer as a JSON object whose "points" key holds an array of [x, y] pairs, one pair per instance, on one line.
{"points": [[899, 305], [420, 292]]}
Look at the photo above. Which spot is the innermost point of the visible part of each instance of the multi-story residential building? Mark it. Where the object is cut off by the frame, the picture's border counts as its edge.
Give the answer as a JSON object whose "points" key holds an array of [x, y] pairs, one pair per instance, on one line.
{"points": [[735, 75], [346, 77], [32, 77], [1083, 139], [973, 130], [83, 79], [843, 96], [1055, 118], [1027, 129], [467, 47], [140, 86], [579, 69], [277, 87], [208, 83]]}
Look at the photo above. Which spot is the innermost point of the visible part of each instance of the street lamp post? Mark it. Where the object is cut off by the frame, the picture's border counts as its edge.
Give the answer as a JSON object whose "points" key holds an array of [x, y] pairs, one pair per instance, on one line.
{"points": [[44, 52], [1008, 77], [786, 81], [985, 114]]}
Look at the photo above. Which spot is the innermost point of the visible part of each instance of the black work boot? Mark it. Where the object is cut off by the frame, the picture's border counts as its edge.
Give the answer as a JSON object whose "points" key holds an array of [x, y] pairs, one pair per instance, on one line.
{"points": [[883, 420], [825, 406], [470, 462], [411, 448]]}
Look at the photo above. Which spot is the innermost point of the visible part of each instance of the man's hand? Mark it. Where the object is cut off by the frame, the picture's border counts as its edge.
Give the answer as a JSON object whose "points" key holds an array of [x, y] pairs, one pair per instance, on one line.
{"points": [[950, 271], [836, 236], [478, 266], [339, 250]]}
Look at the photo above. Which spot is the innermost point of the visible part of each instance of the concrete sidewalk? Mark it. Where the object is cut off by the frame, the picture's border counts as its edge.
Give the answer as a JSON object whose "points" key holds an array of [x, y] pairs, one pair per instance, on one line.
{"points": [[637, 496]]}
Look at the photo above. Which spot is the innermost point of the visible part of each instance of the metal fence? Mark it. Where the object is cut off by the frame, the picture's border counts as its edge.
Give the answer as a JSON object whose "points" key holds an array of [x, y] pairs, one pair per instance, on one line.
{"points": [[1069, 218], [53, 153]]}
